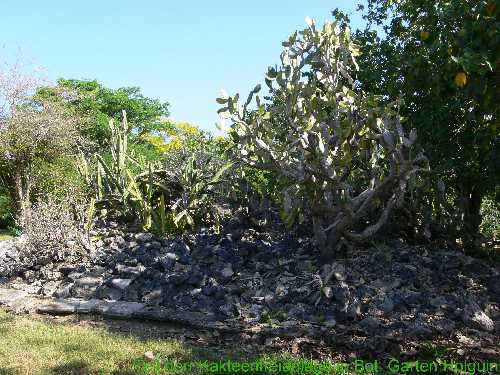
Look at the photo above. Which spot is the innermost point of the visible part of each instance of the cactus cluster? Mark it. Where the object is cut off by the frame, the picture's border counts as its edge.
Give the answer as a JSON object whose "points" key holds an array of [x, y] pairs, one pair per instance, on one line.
{"points": [[162, 199], [343, 160], [113, 180]]}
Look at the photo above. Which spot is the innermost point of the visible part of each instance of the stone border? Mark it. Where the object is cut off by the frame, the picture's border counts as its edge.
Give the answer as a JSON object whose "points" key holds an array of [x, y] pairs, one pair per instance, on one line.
{"points": [[20, 301]]}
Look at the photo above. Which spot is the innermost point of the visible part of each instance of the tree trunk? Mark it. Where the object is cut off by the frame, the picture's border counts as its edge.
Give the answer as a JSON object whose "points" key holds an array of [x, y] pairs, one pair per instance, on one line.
{"points": [[472, 215], [18, 196], [21, 196]]}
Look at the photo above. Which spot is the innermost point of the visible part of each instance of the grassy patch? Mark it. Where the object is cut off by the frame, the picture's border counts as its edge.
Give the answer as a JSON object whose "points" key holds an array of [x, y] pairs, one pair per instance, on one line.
{"points": [[32, 346], [435, 352], [5, 234]]}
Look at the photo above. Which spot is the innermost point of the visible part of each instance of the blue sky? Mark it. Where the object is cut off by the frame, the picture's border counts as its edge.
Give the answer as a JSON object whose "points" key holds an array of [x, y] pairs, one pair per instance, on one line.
{"points": [[182, 52]]}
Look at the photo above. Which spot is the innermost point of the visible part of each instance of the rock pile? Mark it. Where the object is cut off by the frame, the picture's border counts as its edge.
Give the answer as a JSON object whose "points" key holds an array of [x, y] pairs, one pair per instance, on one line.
{"points": [[10, 262], [387, 295]]}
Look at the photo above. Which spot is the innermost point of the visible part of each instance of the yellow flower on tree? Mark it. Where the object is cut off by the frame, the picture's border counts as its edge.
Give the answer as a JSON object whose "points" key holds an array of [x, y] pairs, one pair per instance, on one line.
{"points": [[461, 79], [424, 35]]}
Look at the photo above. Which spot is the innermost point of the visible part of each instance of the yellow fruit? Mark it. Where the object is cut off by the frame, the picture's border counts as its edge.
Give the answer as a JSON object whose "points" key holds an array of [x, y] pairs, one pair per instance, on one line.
{"points": [[424, 35], [461, 79]]}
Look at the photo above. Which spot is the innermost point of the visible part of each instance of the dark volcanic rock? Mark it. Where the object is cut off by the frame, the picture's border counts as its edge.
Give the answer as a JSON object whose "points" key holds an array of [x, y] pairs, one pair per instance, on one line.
{"points": [[474, 317], [263, 280]]}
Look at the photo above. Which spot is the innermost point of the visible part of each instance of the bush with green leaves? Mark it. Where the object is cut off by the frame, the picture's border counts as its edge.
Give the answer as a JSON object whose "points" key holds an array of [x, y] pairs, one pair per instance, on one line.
{"points": [[342, 160], [263, 182], [6, 212], [33, 132], [490, 212], [442, 58]]}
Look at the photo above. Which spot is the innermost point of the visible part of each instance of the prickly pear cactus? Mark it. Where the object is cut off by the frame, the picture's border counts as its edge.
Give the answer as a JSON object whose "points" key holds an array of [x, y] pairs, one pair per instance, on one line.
{"points": [[344, 161]]}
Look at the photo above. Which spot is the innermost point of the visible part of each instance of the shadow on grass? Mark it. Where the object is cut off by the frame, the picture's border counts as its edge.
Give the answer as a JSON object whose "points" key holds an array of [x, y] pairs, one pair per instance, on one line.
{"points": [[82, 368], [73, 368], [6, 234], [6, 321]]}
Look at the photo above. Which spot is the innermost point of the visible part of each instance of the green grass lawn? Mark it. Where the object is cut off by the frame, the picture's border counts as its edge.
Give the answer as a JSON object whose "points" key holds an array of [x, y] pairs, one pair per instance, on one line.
{"points": [[5, 235], [38, 345], [35, 346]]}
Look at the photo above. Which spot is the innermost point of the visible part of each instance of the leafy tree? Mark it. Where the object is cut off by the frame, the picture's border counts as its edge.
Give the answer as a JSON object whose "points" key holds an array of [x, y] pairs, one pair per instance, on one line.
{"points": [[442, 58], [99, 104], [34, 131], [177, 137]]}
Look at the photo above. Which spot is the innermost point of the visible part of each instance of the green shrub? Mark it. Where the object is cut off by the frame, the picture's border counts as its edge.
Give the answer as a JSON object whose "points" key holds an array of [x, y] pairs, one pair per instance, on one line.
{"points": [[6, 212], [58, 178], [490, 212], [263, 182], [431, 55]]}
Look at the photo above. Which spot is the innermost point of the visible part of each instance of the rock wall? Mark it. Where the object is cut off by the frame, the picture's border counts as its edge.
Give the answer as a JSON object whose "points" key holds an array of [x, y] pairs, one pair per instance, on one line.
{"points": [[383, 296]]}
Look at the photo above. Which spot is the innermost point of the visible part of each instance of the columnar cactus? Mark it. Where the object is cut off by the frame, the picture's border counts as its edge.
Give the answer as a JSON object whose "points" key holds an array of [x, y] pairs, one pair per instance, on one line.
{"points": [[344, 162]]}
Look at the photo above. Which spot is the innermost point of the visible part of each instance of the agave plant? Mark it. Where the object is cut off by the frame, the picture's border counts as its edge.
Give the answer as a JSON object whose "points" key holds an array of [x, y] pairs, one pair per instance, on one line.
{"points": [[196, 201], [162, 199], [113, 179]]}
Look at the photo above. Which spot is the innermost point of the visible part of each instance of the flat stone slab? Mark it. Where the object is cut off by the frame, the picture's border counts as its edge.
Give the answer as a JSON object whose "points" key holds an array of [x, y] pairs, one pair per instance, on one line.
{"points": [[63, 307], [21, 301], [25, 305], [92, 306], [9, 295], [191, 318], [123, 310]]}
